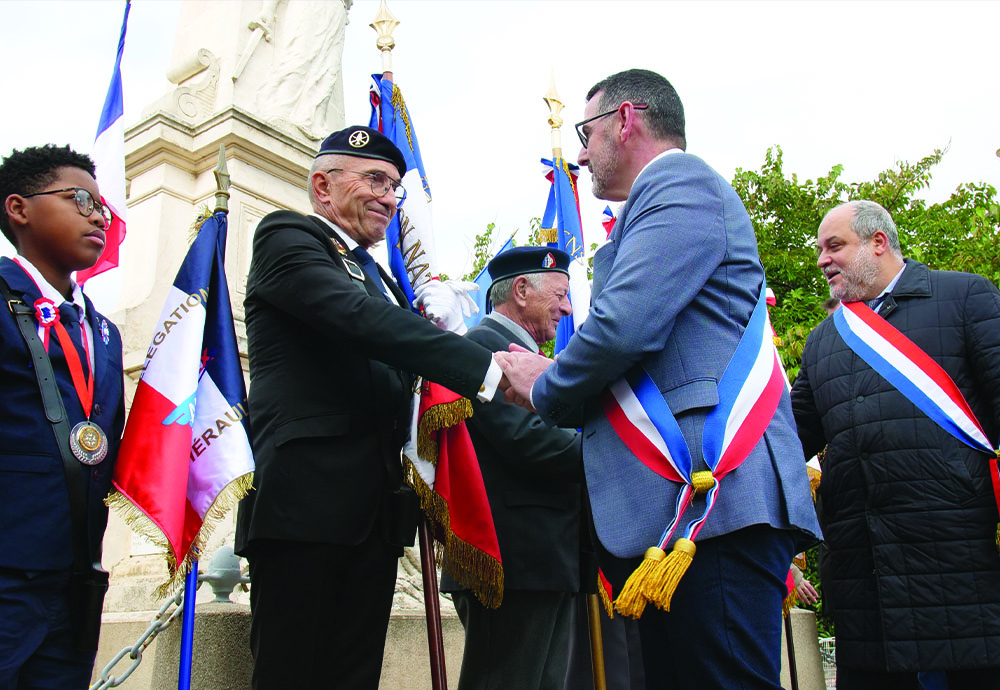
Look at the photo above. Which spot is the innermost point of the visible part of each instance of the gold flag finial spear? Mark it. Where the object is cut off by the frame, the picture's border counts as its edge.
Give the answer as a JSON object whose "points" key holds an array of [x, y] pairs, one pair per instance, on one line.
{"points": [[221, 182], [384, 23], [551, 99]]}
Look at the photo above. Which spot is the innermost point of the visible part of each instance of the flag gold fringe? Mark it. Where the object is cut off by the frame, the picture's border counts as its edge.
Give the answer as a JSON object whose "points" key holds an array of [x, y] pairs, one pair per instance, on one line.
{"points": [[140, 523], [814, 479], [399, 105], [605, 599], [436, 418], [789, 603], [473, 568]]}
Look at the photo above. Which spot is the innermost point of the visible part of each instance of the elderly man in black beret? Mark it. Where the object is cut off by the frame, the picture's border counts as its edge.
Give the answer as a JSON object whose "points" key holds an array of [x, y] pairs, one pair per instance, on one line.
{"points": [[333, 350], [534, 480]]}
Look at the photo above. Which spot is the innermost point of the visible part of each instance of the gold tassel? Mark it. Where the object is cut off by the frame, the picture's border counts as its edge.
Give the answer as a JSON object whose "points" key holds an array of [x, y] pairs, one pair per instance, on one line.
{"points": [[669, 573], [632, 601], [605, 599], [998, 536], [789, 603]]}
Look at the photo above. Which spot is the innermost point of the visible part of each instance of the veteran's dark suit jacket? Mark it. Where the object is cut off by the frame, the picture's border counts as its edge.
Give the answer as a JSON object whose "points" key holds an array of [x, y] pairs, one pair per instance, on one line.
{"points": [[534, 480], [330, 365], [35, 525]]}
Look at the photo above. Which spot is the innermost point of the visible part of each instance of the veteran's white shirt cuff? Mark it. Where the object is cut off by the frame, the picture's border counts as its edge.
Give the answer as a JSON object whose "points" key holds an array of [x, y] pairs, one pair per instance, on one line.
{"points": [[490, 383]]}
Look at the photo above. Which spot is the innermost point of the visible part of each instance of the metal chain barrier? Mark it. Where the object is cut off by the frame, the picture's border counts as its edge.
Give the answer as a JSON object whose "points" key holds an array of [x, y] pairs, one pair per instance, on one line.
{"points": [[161, 621]]}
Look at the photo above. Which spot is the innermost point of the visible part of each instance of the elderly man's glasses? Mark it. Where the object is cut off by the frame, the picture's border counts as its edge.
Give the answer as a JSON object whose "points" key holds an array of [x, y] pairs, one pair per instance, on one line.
{"points": [[85, 203], [584, 137], [381, 183]]}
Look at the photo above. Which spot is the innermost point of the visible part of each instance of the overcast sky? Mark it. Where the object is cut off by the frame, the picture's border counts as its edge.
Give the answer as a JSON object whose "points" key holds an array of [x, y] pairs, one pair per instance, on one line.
{"points": [[863, 84]]}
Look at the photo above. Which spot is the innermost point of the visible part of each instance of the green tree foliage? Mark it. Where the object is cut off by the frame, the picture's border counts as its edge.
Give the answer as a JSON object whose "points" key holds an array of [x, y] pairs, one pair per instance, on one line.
{"points": [[958, 234]]}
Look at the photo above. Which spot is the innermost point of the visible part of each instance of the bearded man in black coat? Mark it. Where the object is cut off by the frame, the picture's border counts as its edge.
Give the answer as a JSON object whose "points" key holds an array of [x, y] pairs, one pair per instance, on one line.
{"points": [[908, 511]]}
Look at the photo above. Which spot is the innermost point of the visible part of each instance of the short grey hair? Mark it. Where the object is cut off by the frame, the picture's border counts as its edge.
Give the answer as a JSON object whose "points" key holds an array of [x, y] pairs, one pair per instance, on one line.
{"points": [[869, 217], [321, 164], [500, 292]]}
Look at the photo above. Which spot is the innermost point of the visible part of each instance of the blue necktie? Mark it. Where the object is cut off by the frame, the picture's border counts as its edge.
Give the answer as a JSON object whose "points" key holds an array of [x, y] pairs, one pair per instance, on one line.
{"points": [[69, 315], [874, 304], [369, 267]]}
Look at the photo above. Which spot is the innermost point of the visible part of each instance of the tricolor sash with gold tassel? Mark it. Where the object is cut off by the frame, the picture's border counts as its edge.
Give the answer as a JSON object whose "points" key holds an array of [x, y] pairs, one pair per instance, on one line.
{"points": [[918, 377], [749, 392]]}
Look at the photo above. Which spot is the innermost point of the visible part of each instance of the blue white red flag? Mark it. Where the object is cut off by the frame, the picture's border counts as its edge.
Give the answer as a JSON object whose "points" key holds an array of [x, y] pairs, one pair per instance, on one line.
{"points": [[185, 457], [410, 235], [438, 456], [562, 214], [109, 157], [608, 220], [483, 281]]}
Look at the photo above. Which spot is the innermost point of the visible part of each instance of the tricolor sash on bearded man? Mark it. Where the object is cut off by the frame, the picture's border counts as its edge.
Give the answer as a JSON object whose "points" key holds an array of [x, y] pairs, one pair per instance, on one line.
{"points": [[749, 392], [918, 377], [439, 460], [562, 229], [185, 457]]}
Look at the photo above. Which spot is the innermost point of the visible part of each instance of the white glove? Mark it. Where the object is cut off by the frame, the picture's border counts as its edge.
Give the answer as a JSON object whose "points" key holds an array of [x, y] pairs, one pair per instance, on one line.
{"points": [[447, 303]]}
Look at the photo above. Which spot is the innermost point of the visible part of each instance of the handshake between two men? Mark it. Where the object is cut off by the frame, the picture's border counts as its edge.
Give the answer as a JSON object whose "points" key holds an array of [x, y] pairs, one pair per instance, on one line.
{"points": [[520, 369]]}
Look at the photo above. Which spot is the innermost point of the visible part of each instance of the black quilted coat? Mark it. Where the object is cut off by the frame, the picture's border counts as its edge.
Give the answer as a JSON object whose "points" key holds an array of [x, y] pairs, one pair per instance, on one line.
{"points": [[907, 510]]}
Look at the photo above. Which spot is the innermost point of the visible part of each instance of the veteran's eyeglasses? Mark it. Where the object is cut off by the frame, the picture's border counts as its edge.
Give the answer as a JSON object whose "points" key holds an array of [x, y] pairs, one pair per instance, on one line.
{"points": [[381, 183], [585, 136], [85, 202]]}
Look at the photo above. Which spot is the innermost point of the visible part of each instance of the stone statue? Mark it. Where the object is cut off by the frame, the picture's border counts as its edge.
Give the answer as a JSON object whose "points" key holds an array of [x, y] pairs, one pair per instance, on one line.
{"points": [[278, 60], [302, 87]]}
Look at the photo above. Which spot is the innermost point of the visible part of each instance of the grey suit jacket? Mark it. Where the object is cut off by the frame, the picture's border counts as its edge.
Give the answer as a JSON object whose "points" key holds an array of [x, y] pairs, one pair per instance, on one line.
{"points": [[673, 291]]}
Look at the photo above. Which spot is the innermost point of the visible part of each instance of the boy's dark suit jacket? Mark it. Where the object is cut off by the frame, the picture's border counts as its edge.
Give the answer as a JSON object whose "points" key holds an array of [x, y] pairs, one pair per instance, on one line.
{"points": [[329, 401], [35, 525]]}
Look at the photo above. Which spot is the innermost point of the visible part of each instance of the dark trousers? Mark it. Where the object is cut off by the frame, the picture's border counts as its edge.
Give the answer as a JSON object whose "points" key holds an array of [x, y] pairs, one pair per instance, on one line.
{"points": [[320, 613], [724, 627], [864, 679], [36, 645], [523, 644], [622, 651]]}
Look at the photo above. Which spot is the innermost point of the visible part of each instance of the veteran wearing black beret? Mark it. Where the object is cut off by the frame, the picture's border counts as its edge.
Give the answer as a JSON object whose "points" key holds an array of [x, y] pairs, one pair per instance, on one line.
{"points": [[333, 350], [533, 474]]}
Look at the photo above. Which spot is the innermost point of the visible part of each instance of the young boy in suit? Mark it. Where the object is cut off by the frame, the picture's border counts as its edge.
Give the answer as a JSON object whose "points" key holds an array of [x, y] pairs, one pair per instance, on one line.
{"points": [[54, 217]]}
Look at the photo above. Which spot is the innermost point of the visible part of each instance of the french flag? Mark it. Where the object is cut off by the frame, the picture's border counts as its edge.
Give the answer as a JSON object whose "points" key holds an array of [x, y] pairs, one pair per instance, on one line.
{"points": [[185, 457], [109, 157]]}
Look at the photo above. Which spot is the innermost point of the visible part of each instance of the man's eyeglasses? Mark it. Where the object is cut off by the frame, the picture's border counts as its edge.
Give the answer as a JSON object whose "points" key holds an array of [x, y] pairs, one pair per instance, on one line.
{"points": [[381, 183], [85, 203], [584, 137]]}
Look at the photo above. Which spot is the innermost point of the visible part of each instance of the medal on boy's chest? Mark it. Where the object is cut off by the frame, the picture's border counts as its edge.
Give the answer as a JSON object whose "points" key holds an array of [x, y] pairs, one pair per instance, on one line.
{"points": [[88, 442]]}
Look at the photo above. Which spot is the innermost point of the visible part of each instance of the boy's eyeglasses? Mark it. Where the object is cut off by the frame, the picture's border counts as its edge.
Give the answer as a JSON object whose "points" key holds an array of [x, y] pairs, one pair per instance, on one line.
{"points": [[85, 203], [381, 183]]}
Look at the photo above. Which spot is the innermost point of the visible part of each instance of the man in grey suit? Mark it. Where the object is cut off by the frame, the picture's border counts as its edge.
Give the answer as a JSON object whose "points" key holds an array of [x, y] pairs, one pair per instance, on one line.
{"points": [[534, 480], [673, 292]]}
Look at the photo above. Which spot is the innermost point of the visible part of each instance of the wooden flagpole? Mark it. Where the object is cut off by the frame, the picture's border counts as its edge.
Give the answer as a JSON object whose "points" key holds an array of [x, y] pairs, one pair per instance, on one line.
{"points": [[383, 24], [555, 121]]}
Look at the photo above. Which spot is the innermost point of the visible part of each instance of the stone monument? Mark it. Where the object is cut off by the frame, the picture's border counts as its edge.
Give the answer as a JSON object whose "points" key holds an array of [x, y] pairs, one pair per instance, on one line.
{"points": [[264, 80]]}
